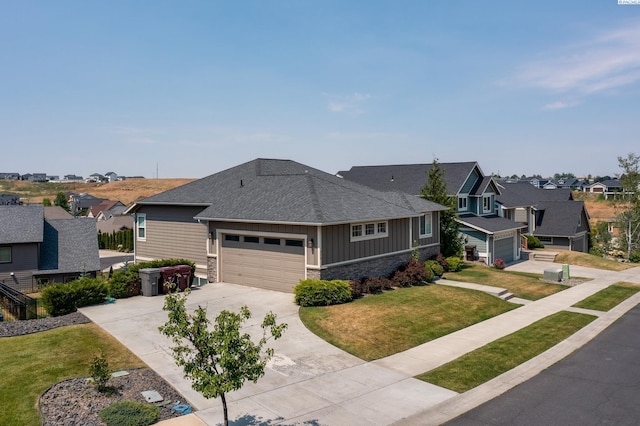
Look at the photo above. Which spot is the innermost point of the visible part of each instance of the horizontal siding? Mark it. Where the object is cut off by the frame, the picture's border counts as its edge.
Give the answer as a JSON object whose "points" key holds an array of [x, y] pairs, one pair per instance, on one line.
{"points": [[476, 238], [24, 257], [337, 245]]}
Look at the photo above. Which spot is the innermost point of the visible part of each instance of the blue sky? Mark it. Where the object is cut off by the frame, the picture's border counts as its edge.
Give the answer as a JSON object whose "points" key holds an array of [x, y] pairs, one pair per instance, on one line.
{"points": [[190, 88]]}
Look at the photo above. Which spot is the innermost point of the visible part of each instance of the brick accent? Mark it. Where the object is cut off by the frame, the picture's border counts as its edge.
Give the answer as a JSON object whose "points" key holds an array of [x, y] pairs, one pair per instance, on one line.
{"points": [[313, 274]]}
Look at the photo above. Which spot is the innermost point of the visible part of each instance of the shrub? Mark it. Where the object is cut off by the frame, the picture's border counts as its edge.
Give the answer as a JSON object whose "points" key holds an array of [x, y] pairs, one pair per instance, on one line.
{"points": [[443, 262], [635, 256], [413, 273], [435, 267], [455, 263], [124, 283], [165, 262], [61, 299], [358, 288], [130, 413], [499, 264], [375, 285], [100, 373], [534, 242], [311, 292]]}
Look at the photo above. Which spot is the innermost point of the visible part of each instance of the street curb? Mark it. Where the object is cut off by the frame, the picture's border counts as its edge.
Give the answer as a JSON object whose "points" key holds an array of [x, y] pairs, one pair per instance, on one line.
{"points": [[460, 404]]}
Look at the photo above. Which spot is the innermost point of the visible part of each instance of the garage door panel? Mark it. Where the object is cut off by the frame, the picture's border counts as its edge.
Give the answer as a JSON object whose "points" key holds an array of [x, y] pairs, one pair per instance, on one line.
{"points": [[504, 249]]}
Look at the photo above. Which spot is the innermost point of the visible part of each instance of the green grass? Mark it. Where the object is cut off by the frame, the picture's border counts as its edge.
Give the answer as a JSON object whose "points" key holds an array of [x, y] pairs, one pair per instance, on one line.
{"points": [[31, 364], [585, 259], [381, 325], [609, 297], [521, 284], [489, 361]]}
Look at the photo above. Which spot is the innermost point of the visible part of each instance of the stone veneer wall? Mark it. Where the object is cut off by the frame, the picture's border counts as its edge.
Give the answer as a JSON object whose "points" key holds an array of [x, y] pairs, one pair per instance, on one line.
{"points": [[212, 269], [379, 267]]}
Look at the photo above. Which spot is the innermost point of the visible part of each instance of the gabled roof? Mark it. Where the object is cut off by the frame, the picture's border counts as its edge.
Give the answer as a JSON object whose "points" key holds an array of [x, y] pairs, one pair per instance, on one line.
{"points": [[56, 212], [409, 178], [269, 190], [21, 224], [489, 224], [70, 245], [95, 209], [559, 218], [482, 184], [115, 223], [523, 194]]}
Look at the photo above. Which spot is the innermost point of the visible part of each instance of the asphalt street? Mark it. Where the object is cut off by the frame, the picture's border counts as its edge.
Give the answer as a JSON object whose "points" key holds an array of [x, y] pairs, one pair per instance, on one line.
{"points": [[599, 384]]}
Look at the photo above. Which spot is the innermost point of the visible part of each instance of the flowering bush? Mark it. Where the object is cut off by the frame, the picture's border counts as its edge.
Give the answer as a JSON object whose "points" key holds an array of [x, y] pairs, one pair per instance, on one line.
{"points": [[499, 264]]}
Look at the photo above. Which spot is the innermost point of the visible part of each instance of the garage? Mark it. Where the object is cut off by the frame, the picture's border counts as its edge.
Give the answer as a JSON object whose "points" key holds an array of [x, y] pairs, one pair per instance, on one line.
{"points": [[503, 246], [274, 263]]}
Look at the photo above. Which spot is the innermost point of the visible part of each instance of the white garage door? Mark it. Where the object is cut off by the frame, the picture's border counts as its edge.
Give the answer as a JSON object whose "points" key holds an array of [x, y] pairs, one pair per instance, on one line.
{"points": [[265, 262]]}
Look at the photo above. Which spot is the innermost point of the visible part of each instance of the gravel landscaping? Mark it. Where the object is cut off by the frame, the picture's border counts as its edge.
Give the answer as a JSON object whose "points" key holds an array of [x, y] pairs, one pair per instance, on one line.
{"points": [[75, 401]]}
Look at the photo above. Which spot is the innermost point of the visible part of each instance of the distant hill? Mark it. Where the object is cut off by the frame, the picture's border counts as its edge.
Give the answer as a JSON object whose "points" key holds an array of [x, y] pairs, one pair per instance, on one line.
{"points": [[126, 191]]}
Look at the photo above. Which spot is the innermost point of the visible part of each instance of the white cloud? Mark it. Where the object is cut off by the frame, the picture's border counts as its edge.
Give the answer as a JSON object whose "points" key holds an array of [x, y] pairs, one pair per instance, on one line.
{"points": [[607, 62], [347, 104], [359, 136], [559, 105]]}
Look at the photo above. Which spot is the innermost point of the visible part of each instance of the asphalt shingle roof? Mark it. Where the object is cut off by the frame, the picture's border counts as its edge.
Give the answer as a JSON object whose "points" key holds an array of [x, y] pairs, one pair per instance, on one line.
{"points": [[558, 218], [70, 245], [286, 191], [490, 224], [524, 194], [21, 224], [408, 178]]}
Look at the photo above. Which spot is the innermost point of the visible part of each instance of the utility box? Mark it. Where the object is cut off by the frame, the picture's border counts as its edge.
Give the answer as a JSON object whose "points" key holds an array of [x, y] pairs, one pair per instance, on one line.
{"points": [[565, 272], [149, 278], [553, 275]]}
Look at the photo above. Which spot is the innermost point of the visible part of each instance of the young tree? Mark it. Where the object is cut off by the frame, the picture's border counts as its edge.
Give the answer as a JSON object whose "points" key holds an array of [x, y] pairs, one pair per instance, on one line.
{"points": [[219, 360], [61, 200], [435, 189], [46, 202], [629, 219]]}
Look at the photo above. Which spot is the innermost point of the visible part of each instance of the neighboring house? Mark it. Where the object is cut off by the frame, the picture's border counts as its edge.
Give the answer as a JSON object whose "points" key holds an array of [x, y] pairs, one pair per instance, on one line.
{"points": [[552, 216], [108, 207], [82, 201], [111, 176], [270, 223], [115, 224], [44, 244], [9, 200], [116, 210], [53, 178], [73, 178], [10, 176], [482, 231], [606, 187]]}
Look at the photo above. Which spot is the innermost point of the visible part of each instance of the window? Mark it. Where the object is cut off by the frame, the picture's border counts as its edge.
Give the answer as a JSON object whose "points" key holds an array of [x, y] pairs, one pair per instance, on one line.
{"points": [[293, 243], [580, 220], [486, 204], [142, 226], [254, 240], [232, 237], [5, 254], [272, 241], [462, 203], [546, 239], [425, 225], [366, 231]]}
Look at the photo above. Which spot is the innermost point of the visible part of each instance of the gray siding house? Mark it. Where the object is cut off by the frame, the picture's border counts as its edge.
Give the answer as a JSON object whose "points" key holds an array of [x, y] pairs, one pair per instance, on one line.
{"points": [[482, 231], [270, 223]]}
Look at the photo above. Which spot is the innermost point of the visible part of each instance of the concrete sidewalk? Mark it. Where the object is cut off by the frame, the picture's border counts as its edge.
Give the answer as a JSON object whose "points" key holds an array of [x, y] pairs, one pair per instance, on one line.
{"points": [[310, 380]]}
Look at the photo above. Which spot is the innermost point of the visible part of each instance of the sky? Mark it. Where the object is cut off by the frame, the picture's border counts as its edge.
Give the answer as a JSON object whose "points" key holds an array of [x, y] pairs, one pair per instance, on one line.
{"points": [[189, 88]]}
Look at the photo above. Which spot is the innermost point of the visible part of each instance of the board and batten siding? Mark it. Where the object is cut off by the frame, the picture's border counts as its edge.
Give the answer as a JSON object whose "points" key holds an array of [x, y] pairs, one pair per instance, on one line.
{"points": [[24, 257], [172, 232], [283, 230], [337, 246]]}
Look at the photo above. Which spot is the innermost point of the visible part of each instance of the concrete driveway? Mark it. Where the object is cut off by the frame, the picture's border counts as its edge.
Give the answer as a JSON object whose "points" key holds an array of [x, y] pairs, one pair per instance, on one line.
{"points": [[308, 380]]}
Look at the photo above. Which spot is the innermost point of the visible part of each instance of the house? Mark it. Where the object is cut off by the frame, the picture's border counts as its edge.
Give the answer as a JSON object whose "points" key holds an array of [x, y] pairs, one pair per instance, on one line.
{"points": [[82, 201], [106, 209], [45, 244], [481, 229], [553, 217], [9, 200], [73, 178], [609, 187], [270, 223], [10, 176], [114, 224]]}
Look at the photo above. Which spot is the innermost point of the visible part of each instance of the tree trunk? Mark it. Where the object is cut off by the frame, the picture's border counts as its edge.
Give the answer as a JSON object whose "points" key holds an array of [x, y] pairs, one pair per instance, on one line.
{"points": [[224, 409]]}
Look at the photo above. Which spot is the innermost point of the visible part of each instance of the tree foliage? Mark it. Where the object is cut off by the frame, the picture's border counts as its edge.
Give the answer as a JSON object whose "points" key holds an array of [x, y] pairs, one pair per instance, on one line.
{"points": [[219, 359], [629, 219], [61, 201], [435, 189], [46, 202]]}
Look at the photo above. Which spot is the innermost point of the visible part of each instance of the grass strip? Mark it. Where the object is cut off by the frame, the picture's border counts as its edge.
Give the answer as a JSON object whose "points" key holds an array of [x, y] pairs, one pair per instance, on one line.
{"points": [[609, 297], [522, 284], [495, 358], [591, 261], [30, 364], [380, 325]]}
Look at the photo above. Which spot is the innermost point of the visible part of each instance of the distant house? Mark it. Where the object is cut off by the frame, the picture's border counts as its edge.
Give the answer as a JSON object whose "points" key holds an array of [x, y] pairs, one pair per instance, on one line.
{"points": [[9, 200], [10, 176], [551, 216], [607, 187], [73, 178], [105, 209], [115, 224], [53, 178], [82, 201], [111, 176], [45, 244], [482, 231]]}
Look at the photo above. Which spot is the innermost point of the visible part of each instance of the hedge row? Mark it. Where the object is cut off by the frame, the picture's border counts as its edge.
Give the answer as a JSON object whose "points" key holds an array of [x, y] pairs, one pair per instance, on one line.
{"points": [[61, 299]]}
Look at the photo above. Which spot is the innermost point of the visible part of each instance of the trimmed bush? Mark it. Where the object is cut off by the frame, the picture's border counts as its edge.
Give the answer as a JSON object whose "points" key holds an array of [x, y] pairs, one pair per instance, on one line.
{"points": [[124, 283], [455, 263], [311, 292], [533, 242], [61, 299], [358, 288], [499, 264], [443, 262], [130, 413], [413, 273], [375, 285], [435, 267]]}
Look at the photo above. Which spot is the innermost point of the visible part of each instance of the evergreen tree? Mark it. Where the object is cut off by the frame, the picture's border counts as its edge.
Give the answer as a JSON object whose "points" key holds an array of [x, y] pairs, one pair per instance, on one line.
{"points": [[46, 202], [435, 189], [61, 201]]}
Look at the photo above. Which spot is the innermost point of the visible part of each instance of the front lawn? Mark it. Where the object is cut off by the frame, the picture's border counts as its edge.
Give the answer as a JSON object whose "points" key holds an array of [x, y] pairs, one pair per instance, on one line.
{"points": [[609, 297], [585, 259], [30, 364], [380, 325], [500, 356], [521, 284]]}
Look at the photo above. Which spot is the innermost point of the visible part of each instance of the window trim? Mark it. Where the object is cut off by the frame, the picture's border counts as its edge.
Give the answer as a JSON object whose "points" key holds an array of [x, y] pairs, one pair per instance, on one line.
{"points": [[463, 199], [142, 216], [420, 219], [486, 199], [362, 227], [10, 254]]}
